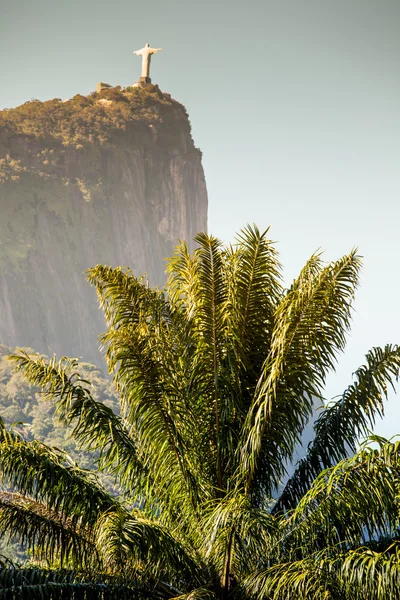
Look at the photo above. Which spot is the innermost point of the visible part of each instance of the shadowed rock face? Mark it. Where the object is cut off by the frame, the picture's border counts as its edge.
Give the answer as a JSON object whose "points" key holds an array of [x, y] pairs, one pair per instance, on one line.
{"points": [[83, 182]]}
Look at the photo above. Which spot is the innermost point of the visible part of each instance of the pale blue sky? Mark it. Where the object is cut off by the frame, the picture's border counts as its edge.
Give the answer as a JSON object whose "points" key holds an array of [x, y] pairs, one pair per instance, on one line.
{"points": [[294, 103]]}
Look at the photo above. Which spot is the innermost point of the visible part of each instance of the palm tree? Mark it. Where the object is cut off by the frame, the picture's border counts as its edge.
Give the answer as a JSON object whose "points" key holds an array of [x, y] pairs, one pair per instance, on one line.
{"points": [[218, 376]]}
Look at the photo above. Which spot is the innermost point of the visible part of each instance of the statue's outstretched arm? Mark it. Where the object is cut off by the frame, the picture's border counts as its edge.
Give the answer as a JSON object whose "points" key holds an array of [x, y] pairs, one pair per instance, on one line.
{"points": [[156, 50], [137, 52]]}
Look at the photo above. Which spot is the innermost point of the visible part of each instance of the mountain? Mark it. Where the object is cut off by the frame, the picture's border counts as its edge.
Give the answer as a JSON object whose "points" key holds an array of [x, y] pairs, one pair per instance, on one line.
{"points": [[111, 178]]}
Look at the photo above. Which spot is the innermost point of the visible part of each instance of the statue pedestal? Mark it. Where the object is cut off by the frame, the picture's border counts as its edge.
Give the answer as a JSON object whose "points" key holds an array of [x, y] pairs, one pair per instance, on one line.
{"points": [[143, 81]]}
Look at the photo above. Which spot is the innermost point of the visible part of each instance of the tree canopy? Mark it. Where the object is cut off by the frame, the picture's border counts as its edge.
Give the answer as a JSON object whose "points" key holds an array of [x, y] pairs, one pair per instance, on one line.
{"points": [[218, 377]]}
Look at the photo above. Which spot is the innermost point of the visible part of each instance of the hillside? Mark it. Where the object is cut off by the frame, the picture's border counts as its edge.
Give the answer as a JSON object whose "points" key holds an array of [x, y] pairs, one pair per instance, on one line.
{"points": [[24, 408], [111, 178]]}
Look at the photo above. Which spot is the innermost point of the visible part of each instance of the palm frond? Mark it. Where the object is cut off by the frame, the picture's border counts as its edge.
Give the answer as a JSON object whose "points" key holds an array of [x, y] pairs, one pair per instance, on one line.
{"points": [[31, 583], [340, 507], [210, 327], [372, 575], [95, 426], [121, 295], [46, 532], [143, 344], [198, 594], [49, 475], [342, 424], [255, 290], [311, 577], [331, 575], [236, 535], [183, 280], [132, 541], [310, 326]]}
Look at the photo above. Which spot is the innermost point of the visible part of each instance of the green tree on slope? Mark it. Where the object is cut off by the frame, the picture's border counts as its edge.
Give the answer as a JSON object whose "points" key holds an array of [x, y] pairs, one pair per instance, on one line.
{"points": [[218, 375]]}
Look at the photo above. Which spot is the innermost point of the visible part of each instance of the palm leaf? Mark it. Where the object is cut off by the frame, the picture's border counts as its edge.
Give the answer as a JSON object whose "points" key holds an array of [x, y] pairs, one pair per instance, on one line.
{"points": [[20, 583], [134, 540], [344, 422], [121, 295], [311, 577], [46, 532], [331, 575], [95, 426], [255, 290], [210, 327], [236, 534], [49, 475], [310, 326], [197, 594], [340, 506]]}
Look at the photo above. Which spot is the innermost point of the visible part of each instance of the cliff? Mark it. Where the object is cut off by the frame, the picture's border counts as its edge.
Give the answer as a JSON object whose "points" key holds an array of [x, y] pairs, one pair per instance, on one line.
{"points": [[111, 178]]}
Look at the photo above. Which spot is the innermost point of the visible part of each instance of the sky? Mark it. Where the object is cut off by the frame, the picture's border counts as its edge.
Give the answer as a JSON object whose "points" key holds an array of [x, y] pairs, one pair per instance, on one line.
{"points": [[295, 105]]}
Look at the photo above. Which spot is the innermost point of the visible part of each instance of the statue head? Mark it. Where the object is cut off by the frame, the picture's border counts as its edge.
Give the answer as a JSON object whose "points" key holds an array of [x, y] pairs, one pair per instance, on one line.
{"points": [[147, 45]]}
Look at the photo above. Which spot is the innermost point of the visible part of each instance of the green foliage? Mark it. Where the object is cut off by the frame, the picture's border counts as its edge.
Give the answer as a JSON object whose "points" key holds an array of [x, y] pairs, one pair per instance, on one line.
{"points": [[217, 376], [23, 407], [33, 582], [86, 119]]}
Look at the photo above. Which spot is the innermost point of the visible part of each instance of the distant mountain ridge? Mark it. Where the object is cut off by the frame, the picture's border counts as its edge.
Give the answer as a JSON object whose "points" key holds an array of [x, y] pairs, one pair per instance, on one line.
{"points": [[111, 178]]}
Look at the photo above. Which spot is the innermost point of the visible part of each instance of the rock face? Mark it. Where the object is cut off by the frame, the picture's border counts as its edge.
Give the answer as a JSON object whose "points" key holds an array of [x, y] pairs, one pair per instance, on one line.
{"points": [[113, 178]]}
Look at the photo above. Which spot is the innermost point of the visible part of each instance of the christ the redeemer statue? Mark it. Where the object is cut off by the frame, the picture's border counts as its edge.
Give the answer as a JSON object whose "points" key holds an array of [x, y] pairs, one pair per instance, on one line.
{"points": [[146, 53]]}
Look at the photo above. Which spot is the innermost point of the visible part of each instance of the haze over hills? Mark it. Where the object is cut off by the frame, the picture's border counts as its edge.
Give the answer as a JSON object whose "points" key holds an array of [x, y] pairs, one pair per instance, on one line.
{"points": [[111, 178]]}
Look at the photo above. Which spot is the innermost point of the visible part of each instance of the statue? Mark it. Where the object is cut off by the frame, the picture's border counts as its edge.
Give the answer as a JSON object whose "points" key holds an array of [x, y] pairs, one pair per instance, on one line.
{"points": [[146, 53]]}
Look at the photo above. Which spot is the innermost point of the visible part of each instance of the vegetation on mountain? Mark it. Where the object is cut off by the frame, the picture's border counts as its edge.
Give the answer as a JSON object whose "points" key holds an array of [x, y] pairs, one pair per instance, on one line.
{"points": [[217, 375], [23, 408], [94, 119]]}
